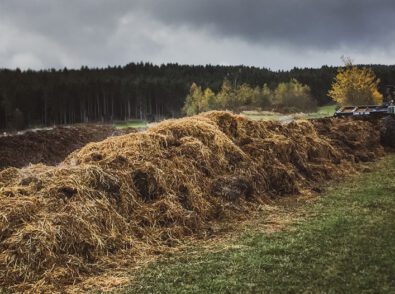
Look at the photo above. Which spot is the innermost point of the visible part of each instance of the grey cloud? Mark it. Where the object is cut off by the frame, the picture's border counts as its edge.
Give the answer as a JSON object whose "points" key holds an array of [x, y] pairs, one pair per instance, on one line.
{"points": [[304, 23], [46, 33]]}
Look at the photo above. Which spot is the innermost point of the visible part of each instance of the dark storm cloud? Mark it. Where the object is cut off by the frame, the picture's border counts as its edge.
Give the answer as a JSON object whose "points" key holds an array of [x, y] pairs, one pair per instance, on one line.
{"points": [[305, 23], [276, 33]]}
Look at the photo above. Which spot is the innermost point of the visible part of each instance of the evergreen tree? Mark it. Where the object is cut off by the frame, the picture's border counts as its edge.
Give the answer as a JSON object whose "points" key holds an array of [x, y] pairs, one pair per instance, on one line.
{"points": [[147, 91]]}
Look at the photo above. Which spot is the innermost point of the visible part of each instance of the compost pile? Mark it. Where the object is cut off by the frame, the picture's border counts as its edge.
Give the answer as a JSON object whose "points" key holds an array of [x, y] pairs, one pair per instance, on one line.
{"points": [[50, 146], [110, 200]]}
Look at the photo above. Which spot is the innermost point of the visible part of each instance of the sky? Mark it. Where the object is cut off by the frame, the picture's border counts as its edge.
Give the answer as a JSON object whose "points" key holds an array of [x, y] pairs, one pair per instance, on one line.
{"points": [[275, 34]]}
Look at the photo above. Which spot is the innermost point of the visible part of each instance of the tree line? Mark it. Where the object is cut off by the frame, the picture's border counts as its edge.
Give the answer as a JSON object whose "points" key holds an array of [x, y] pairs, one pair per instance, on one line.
{"points": [[289, 96], [139, 90]]}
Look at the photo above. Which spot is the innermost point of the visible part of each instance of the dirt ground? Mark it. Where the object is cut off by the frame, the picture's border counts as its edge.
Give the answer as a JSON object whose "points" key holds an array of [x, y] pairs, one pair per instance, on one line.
{"points": [[51, 146]]}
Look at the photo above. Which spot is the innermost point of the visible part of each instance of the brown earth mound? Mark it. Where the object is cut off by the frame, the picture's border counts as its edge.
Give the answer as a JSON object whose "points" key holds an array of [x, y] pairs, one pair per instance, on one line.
{"points": [[50, 146], [110, 201], [387, 129]]}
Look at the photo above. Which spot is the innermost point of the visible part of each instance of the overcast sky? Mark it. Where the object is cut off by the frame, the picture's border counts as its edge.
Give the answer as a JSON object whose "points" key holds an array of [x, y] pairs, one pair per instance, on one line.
{"points": [[277, 34]]}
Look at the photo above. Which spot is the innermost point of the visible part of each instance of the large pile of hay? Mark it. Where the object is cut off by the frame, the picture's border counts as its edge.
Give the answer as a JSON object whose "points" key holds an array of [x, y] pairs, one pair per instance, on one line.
{"points": [[149, 189]]}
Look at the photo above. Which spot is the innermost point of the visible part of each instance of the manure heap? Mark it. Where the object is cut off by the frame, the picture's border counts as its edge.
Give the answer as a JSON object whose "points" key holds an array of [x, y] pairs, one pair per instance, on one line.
{"points": [[110, 201]]}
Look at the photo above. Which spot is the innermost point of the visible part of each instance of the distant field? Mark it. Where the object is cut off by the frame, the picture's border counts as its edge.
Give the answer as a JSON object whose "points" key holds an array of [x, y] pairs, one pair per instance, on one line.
{"points": [[323, 111], [131, 124], [344, 242]]}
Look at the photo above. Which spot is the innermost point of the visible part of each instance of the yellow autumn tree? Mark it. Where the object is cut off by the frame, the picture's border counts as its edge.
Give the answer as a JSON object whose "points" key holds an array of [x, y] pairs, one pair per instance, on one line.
{"points": [[209, 99], [244, 95], [226, 97], [198, 100], [294, 95], [355, 86], [194, 101]]}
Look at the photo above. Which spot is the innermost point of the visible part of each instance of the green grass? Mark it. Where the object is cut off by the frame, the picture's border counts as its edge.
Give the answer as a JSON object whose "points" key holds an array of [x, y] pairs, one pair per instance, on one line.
{"points": [[131, 124], [323, 111], [262, 115], [345, 244]]}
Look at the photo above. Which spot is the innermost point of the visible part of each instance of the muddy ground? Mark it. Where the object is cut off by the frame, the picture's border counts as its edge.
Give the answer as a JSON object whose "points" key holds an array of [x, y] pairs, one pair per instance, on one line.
{"points": [[51, 146]]}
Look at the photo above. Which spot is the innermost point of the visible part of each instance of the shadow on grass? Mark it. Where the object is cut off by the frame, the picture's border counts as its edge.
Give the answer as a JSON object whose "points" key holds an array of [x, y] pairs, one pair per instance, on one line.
{"points": [[347, 245]]}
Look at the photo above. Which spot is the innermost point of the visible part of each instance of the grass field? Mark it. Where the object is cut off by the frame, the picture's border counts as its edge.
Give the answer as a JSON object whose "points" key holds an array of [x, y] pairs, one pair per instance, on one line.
{"points": [[323, 111], [131, 124], [344, 243]]}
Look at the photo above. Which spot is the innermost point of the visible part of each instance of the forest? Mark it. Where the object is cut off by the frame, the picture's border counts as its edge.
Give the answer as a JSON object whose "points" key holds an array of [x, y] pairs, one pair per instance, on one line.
{"points": [[138, 90], [288, 97]]}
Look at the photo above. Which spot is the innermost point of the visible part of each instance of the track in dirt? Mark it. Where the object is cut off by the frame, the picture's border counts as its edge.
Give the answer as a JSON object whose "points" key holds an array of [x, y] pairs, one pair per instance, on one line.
{"points": [[127, 196], [51, 146]]}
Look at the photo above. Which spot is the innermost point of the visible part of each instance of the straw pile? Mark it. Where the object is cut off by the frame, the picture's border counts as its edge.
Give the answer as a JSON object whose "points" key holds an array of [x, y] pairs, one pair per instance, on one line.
{"points": [[149, 189]]}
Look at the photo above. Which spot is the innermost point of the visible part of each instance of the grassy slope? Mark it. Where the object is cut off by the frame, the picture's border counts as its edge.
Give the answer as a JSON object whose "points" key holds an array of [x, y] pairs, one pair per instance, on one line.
{"points": [[346, 245], [323, 111], [131, 124]]}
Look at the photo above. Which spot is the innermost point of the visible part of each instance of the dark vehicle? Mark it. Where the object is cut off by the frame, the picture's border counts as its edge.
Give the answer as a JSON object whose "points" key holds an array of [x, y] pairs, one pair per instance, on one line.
{"points": [[367, 110], [387, 108]]}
